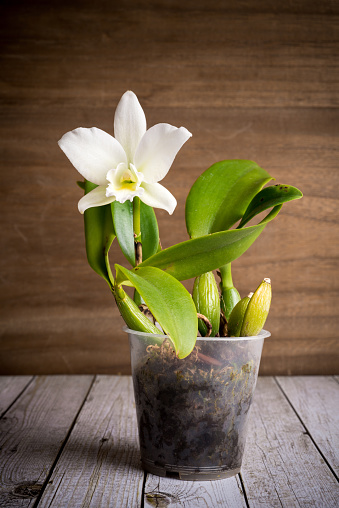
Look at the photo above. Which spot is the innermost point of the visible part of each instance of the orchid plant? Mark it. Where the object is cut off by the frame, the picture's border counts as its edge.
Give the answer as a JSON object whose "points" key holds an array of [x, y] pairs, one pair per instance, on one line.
{"points": [[121, 183]]}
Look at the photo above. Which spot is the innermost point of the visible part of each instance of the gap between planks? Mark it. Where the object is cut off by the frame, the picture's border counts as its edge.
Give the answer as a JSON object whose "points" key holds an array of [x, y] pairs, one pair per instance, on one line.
{"points": [[32, 432], [315, 401], [281, 466], [100, 463], [63, 446], [11, 388]]}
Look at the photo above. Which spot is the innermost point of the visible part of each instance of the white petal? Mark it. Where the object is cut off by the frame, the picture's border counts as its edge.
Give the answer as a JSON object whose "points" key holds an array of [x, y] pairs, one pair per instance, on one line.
{"points": [[129, 123], [92, 152], [157, 150], [97, 197], [157, 196]]}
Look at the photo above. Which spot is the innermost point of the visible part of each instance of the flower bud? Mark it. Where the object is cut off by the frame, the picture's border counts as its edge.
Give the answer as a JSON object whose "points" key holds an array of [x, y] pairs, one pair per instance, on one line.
{"points": [[229, 298], [257, 310], [237, 316], [207, 302], [131, 314]]}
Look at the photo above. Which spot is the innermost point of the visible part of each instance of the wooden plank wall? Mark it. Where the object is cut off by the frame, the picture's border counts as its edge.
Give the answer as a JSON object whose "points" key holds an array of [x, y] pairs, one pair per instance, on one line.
{"points": [[250, 79]]}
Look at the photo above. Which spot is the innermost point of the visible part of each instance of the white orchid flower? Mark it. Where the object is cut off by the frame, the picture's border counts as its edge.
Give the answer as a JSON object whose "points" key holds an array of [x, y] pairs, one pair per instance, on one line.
{"points": [[129, 164]]}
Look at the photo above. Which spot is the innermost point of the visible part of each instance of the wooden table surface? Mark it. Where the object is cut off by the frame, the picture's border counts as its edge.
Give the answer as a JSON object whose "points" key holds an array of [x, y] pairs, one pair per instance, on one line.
{"points": [[72, 441]]}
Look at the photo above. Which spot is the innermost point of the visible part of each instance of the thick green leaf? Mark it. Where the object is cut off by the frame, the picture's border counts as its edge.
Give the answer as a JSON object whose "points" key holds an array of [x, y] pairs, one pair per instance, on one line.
{"points": [[169, 302], [269, 197], [99, 235], [149, 231], [220, 196], [199, 255], [122, 214]]}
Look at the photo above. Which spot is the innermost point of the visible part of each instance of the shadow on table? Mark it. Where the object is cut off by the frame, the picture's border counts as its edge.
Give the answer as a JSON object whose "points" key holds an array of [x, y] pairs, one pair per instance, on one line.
{"points": [[82, 463], [104, 453], [82, 453]]}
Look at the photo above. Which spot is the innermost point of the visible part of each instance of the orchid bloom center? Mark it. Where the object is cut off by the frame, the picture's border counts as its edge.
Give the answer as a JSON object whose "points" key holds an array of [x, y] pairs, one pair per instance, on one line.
{"points": [[124, 182]]}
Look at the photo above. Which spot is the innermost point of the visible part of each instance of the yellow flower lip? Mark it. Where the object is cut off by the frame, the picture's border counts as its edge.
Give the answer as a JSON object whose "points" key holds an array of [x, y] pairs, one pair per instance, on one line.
{"points": [[127, 177], [128, 186], [124, 182]]}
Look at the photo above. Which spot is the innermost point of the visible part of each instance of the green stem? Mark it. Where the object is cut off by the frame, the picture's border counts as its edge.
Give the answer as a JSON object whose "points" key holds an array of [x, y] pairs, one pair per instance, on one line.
{"points": [[226, 276], [229, 294], [137, 231]]}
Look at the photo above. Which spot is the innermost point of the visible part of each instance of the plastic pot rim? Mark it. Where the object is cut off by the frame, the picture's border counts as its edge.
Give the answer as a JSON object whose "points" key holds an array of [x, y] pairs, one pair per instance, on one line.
{"points": [[263, 334]]}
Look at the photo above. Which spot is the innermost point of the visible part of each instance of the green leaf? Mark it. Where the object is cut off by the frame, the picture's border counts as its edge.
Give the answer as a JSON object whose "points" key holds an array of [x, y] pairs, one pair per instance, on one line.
{"points": [[269, 197], [169, 302], [220, 196], [149, 231], [99, 235], [199, 255], [122, 214]]}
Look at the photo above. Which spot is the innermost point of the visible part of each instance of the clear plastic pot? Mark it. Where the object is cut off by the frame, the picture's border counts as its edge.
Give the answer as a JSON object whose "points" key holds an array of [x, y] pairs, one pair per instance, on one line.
{"points": [[193, 413]]}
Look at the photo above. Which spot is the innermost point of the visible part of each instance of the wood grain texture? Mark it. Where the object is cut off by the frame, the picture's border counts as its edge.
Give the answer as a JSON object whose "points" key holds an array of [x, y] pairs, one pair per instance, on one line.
{"points": [[10, 388], [32, 432], [252, 80], [100, 464], [316, 401], [177, 493], [279, 452]]}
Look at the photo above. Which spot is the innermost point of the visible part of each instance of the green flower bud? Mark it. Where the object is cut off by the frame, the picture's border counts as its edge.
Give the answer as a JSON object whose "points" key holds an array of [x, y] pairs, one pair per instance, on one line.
{"points": [[131, 314], [237, 316], [257, 310], [207, 302], [229, 298]]}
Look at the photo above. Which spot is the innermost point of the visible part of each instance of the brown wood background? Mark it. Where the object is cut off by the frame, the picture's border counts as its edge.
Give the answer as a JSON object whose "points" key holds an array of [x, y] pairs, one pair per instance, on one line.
{"points": [[250, 79]]}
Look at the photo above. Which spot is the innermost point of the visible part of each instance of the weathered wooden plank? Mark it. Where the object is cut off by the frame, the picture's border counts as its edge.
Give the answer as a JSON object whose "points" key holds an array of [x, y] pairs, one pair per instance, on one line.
{"points": [[176, 493], [282, 467], [32, 433], [10, 389], [99, 465], [316, 401]]}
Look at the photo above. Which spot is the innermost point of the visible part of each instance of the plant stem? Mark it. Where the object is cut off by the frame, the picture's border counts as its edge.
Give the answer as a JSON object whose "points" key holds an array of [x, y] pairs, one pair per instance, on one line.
{"points": [[226, 276], [137, 231], [229, 294]]}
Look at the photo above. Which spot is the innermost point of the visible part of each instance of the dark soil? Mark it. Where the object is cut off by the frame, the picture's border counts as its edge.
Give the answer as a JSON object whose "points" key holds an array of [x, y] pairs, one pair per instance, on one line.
{"points": [[193, 412]]}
